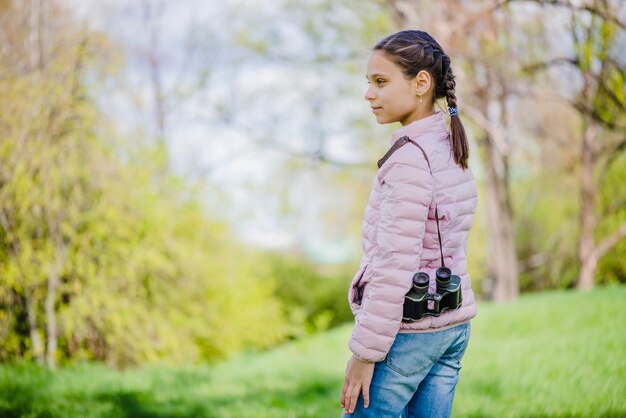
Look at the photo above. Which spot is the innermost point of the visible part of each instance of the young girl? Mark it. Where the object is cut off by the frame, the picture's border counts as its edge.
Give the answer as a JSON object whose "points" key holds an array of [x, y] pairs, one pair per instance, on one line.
{"points": [[400, 367]]}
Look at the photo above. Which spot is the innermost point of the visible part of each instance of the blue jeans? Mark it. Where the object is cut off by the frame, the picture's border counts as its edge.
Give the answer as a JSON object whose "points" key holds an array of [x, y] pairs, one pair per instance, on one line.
{"points": [[418, 376]]}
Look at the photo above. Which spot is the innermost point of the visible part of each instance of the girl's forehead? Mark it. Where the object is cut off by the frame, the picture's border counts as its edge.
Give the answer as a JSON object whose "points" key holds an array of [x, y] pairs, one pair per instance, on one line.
{"points": [[379, 64]]}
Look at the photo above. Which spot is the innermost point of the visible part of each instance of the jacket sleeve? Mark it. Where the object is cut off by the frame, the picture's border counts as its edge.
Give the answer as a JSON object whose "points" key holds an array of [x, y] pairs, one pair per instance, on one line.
{"points": [[406, 193]]}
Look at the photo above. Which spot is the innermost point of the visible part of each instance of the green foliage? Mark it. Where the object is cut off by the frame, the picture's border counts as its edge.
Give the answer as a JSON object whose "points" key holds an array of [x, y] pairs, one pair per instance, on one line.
{"points": [[540, 353], [147, 275], [612, 214], [547, 225], [597, 47], [118, 253], [477, 250], [547, 230], [313, 301]]}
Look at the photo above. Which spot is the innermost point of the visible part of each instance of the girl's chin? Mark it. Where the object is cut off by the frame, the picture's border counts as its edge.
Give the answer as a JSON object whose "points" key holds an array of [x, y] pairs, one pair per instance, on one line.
{"points": [[382, 120]]}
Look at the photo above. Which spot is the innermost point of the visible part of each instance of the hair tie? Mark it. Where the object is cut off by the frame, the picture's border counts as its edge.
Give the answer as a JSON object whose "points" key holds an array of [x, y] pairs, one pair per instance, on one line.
{"points": [[453, 111]]}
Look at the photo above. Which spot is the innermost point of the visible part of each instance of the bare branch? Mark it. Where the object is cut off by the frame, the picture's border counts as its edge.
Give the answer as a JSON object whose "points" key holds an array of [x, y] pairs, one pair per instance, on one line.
{"points": [[605, 15], [550, 63], [535, 261], [611, 94], [614, 207], [495, 131], [615, 152], [575, 62], [587, 109], [259, 144], [610, 241]]}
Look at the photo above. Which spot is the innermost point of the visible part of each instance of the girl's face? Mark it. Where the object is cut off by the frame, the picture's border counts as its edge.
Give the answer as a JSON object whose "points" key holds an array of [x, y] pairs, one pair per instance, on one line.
{"points": [[393, 97]]}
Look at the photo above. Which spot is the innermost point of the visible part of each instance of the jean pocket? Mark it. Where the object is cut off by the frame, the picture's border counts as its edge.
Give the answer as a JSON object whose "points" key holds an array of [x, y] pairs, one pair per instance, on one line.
{"points": [[412, 354]]}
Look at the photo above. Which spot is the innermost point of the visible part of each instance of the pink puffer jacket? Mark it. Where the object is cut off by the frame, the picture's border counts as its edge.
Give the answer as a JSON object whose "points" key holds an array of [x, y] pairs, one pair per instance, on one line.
{"points": [[399, 237]]}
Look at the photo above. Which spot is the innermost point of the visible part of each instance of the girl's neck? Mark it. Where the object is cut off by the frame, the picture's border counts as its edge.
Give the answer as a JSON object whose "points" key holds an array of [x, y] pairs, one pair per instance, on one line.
{"points": [[420, 113]]}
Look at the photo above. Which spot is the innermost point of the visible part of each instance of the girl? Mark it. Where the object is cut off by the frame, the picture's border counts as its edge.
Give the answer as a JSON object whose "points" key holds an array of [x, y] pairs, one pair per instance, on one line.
{"points": [[398, 367]]}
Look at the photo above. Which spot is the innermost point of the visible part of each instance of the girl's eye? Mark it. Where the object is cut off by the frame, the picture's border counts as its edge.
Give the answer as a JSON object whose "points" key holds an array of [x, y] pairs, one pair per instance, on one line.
{"points": [[379, 81]]}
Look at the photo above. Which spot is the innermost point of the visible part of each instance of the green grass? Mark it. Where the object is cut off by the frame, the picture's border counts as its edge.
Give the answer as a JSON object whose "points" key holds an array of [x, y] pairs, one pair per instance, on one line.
{"points": [[554, 354]]}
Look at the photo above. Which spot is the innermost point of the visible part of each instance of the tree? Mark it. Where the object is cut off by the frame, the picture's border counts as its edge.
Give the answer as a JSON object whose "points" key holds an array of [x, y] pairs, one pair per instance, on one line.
{"points": [[45, 141], [103, 254], [602, 105], [596, 36]]}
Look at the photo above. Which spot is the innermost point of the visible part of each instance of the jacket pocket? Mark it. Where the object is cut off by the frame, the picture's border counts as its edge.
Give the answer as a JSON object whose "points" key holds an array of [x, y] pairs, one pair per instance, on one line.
{"points": [[355, 294]]}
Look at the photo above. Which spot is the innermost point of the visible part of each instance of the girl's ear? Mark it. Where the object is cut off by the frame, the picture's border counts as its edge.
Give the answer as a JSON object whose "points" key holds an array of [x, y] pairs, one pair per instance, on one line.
{"points": [[422, 82]]}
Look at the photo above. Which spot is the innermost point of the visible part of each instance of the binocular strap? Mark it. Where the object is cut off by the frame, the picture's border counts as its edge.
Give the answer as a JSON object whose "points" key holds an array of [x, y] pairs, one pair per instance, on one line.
{"points": [[397, 145]]}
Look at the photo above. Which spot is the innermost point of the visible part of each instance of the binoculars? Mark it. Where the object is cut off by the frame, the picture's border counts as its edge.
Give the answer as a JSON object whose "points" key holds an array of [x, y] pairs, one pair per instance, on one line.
{"points": [[447, 297]]}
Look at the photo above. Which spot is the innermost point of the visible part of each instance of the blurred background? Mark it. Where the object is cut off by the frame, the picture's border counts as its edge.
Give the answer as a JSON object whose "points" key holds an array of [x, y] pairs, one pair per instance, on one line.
{"points": [[182, 186]]}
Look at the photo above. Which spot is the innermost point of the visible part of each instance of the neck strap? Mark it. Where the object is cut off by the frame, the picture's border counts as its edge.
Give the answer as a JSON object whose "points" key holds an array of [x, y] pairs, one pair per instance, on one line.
{"points": [[399, 143]]}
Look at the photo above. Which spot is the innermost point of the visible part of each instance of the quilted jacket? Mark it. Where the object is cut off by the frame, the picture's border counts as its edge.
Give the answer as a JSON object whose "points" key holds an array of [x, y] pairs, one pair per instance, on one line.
{"points": [[399, 237]]}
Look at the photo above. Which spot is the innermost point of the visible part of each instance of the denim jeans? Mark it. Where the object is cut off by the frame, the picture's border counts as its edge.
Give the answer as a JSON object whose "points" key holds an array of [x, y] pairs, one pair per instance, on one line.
{"points": [[418, 376]]}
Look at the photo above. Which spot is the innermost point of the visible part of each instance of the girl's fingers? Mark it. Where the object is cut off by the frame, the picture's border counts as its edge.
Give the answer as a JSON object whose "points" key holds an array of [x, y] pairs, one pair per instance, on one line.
{"points": [[345, 401], [353, 397], [366, 396]]}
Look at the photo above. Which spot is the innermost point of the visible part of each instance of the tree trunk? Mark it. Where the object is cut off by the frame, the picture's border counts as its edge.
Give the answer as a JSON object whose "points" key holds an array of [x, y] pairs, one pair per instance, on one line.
{"points": [[503, 269], [502, 283], [587, 257], [35, 338], [51, 320]]}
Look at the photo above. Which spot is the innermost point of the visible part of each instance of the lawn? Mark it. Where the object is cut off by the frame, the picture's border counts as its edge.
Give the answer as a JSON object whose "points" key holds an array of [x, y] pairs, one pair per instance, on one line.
{"points": [[553, 354]]}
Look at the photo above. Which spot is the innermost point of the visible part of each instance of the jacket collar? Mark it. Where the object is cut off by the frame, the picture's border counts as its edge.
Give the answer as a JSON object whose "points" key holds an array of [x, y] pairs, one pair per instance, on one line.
{"points": [[434, 123]]}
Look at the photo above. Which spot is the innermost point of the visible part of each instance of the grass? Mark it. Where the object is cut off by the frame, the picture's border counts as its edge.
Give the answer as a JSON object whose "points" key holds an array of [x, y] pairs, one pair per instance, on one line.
{"points": [[553, 354]]}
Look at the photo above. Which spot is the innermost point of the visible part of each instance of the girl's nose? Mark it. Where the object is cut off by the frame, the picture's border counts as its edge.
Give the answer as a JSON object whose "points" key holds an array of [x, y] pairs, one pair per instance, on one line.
{"points": [[368, 95]]}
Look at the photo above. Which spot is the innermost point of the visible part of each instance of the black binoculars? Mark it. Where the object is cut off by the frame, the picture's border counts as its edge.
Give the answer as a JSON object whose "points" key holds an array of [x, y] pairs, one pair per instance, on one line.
{"points": [[447, 297]]}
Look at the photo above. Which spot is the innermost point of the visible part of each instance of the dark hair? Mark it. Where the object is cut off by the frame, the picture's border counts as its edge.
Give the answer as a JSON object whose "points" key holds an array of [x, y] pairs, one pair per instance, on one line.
{"points": [[414, 51]]}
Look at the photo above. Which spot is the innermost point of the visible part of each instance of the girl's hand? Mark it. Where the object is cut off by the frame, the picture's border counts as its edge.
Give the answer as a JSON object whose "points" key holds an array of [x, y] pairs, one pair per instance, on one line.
{"points": [[358, 377]]}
